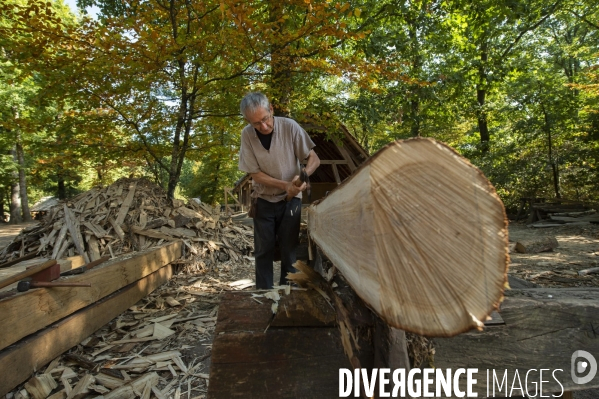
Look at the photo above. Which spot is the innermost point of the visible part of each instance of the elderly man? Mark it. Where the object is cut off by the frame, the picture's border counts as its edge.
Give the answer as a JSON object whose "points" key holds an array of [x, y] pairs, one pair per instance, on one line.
{"points": [[271, 150]]}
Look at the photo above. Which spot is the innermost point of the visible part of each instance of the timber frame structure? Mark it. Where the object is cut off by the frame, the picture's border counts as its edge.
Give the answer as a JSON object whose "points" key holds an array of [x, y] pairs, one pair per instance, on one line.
{"points": [[339, 157]]}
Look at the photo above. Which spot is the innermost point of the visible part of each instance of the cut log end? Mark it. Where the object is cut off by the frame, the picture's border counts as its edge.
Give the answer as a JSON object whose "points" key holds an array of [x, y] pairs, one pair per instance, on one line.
{"points": [[421, 236]]}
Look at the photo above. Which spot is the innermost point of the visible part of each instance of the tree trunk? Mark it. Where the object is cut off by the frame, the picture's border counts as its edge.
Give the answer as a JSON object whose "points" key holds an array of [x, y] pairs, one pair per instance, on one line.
{"points": [[15, 203], [280, 66], [62, 193], [22, 180], [415, 117], [2, 214], [551, 160], [481, 93], [416, 68]]}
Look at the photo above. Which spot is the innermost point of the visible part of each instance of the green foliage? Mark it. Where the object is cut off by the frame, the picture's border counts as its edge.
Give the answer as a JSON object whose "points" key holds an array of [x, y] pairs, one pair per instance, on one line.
{"points": [[152, 88]]}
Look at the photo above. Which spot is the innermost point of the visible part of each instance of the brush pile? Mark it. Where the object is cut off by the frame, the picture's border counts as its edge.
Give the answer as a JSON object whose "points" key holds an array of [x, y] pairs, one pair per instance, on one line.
{"points": [[127, 216]]}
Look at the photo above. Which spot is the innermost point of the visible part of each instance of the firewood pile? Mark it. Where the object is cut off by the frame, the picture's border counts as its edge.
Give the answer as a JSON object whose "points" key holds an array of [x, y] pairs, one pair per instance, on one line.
{"points": [[131, 215]]}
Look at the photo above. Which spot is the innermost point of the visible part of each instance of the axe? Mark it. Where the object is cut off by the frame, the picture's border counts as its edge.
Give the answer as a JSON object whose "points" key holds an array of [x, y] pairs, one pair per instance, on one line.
{"points": [[303, 178]]}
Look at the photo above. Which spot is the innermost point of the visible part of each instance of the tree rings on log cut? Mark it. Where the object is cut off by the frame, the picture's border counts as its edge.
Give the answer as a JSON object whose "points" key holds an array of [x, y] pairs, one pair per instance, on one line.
{"points": [[421, 236]]}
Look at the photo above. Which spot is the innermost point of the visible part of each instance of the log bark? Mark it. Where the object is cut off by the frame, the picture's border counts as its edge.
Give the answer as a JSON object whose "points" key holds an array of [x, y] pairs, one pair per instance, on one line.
{"points": [[420, 235]]}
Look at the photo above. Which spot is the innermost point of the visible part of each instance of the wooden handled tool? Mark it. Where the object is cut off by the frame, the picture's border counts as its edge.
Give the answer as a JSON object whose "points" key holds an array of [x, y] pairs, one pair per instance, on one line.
{"points": [[303, 177], [84, 268], [27, 273], [27, 285]]}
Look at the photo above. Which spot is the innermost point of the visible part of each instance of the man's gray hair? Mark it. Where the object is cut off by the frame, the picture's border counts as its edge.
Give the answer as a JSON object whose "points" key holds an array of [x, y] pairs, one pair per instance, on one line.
{"points": [[253, 101]]}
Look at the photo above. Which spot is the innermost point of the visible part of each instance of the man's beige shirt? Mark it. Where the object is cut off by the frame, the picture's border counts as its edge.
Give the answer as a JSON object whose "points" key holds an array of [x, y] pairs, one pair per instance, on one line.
{"points": [[290, 144]]}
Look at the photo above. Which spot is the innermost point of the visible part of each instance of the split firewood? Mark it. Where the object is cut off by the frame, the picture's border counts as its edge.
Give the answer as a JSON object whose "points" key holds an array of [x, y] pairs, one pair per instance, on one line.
{"points": [[39, 387], [586, 272], [129, 215]]}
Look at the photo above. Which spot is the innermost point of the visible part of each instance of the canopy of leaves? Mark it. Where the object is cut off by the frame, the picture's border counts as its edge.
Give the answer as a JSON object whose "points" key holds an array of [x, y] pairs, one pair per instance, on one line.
{"points": [[153, 86]]}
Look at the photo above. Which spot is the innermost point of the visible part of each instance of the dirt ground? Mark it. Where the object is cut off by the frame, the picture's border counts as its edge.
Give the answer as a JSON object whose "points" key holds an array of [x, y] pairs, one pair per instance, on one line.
{"points": [[578, 249], [10, 231]]}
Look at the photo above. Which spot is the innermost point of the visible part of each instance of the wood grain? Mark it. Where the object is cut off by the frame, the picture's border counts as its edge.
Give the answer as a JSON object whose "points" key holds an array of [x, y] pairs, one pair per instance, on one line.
{"points": [[421, 236], [18, 362], [35, 309]]}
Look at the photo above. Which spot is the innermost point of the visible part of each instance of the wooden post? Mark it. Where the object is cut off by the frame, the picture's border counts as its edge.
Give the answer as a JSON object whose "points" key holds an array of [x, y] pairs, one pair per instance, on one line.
{"points": [[336, 173]]}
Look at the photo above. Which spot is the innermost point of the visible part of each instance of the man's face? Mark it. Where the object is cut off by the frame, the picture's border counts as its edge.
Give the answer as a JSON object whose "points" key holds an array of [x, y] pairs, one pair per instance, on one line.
{"points": [[261, 119]]}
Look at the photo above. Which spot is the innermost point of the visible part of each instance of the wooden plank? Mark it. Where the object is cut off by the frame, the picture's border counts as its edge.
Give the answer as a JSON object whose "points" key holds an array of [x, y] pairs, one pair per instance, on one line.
{"points": [[289, 363], [65, 265], [152, 233], [298, 309], [35, 309], [345, 154], [336, 173], [543, 328], [117, 228], [94, 250], [75, 232], [126, 204], [242, 312], [18, 362], [304, 361], [59, 240]]}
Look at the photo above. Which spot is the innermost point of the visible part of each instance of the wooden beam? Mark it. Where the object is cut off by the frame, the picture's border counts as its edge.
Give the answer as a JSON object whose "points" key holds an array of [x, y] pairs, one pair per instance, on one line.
{"points": [[73, 226], [543, 328], [18, 362], [35, 309], [246, 333], [336, 173], [347, 157]]}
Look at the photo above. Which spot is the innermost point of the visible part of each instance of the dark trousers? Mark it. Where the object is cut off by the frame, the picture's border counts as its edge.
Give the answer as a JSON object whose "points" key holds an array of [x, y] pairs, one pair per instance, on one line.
{"points": [[275, 221]]}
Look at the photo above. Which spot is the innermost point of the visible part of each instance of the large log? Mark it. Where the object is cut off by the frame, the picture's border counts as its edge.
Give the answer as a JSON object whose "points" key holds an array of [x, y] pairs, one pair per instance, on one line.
{"points": [[421, 236]]}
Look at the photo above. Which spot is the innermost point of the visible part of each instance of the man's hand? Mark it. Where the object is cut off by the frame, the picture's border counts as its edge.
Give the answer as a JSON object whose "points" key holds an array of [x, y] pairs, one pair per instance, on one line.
{"points": [[292, 189]]}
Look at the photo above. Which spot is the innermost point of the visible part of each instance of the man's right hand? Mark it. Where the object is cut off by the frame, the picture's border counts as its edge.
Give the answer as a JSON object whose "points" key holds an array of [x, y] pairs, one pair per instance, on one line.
{"points": [[292, 189]]}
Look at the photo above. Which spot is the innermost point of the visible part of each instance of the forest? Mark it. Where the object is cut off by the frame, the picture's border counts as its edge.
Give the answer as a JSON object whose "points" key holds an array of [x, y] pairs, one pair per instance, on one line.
{"points": [[152, 88]]}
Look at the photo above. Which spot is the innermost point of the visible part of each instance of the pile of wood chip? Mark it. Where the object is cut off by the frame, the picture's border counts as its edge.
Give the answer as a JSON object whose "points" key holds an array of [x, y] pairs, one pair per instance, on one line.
{"points": [[131, 215]]}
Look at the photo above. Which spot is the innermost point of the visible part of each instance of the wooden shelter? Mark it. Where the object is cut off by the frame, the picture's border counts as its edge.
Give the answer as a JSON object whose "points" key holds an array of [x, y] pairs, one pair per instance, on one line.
{"points": [[339, 157]]}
